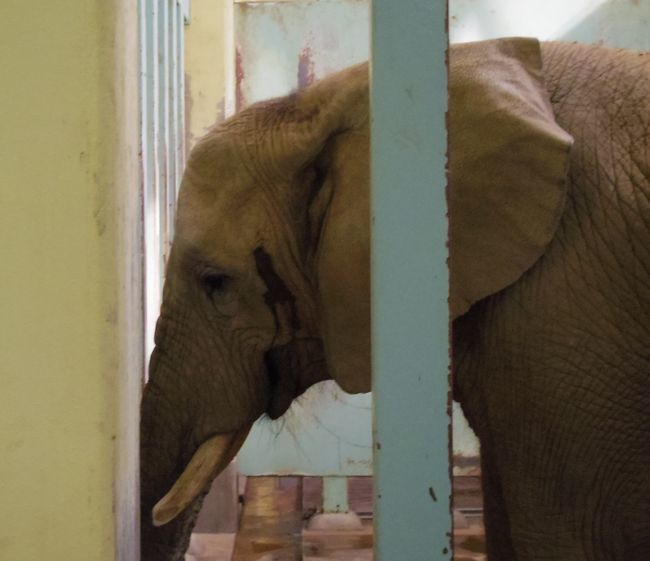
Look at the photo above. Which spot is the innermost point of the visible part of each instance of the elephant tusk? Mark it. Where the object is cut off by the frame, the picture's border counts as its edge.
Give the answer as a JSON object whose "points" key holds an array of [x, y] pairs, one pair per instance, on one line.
{"points": [[208, 461]]}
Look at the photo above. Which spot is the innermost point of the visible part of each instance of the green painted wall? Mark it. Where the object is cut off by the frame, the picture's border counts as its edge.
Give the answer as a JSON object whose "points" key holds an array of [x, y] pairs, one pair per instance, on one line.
{"points": [[69, 280]]}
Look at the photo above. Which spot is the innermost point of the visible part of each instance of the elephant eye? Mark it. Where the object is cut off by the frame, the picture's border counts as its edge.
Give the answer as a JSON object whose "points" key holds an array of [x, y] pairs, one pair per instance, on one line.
{"points": [[216, 283], [221, 289]]}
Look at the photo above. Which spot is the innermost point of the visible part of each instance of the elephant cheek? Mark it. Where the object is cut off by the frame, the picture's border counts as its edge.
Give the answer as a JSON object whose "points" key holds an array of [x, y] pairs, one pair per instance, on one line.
{"points": [[292, 369]]}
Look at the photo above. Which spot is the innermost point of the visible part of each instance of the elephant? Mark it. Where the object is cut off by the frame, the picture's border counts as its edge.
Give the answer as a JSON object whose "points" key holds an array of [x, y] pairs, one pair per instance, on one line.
{"points": [[267, 291]]}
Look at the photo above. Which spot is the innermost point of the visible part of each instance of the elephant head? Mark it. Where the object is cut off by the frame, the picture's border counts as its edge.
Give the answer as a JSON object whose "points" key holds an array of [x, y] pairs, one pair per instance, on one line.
{"points": [[267, 288]]}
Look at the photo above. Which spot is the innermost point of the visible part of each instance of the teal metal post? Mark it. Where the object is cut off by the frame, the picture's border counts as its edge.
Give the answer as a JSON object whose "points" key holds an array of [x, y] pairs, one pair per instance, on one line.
{"points": [[411, 391]]}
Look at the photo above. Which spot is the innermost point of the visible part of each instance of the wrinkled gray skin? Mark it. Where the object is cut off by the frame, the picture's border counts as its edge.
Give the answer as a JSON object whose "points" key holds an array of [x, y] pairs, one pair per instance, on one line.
{"points": [[552, 372]]}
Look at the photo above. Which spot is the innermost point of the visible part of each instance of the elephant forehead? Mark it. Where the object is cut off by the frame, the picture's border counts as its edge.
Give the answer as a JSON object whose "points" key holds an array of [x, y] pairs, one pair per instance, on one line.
{"points": [[222, 230]]}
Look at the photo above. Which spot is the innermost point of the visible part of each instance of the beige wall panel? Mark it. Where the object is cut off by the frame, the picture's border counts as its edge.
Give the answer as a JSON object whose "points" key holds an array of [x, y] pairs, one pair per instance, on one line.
{"points": [[68, 287]]}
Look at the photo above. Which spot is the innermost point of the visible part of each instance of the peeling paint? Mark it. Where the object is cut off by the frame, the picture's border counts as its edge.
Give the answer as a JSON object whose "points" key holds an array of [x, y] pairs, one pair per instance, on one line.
{"points": [[305, 68], [240, 102]]}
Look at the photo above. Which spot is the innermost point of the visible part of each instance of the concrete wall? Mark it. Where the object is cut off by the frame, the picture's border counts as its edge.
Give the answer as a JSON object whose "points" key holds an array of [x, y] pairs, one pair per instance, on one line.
{"points": [[70, 343]]}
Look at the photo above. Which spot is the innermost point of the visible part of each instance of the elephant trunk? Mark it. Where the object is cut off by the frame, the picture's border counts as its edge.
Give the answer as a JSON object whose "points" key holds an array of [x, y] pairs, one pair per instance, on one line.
{"points": [[169, 542], [180, 454], [161, 438], [166, 445]]}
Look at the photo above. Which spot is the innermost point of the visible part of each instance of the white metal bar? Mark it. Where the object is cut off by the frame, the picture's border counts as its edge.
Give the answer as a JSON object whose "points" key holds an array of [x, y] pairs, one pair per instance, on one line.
{"points": [[410, 281], [180, 103], [151, 167], [163, 124], [172, 63], [145, 147], [186, 7]]}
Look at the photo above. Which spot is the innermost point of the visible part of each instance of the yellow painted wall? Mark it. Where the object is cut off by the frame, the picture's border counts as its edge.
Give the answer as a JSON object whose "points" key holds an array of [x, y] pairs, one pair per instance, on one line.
{"points": [[68, 279], [209, 66]]}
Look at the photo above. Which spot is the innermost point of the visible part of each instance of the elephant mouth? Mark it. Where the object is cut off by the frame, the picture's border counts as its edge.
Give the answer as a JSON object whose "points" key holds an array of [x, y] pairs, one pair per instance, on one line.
{"points": [[210, 459], [291, 370]]}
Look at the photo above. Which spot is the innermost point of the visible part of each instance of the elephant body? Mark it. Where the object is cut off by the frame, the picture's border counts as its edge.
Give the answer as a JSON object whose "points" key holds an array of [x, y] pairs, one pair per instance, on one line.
{"points": [[550, 291], [554, 371]]}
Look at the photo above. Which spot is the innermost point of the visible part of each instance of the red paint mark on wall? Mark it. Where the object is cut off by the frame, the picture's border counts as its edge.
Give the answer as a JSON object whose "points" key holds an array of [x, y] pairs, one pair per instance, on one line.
{"points": [[239, 80], [305, 68]]}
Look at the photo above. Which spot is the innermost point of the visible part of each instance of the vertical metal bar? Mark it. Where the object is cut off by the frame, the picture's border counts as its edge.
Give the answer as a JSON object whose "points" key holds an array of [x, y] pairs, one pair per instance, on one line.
{"points": [[151, 175], [410, 281], [335, 494], [145, 164], [162, 126], [144, 98], [180, 80], [163, 123], [172, 115], [186, 7]]}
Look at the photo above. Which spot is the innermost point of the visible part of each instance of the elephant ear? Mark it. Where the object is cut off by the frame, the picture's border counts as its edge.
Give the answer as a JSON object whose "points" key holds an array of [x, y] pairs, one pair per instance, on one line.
{"points": [[508, 162], [294, 142], [338, 223], [314, 145], [288, 133]]}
